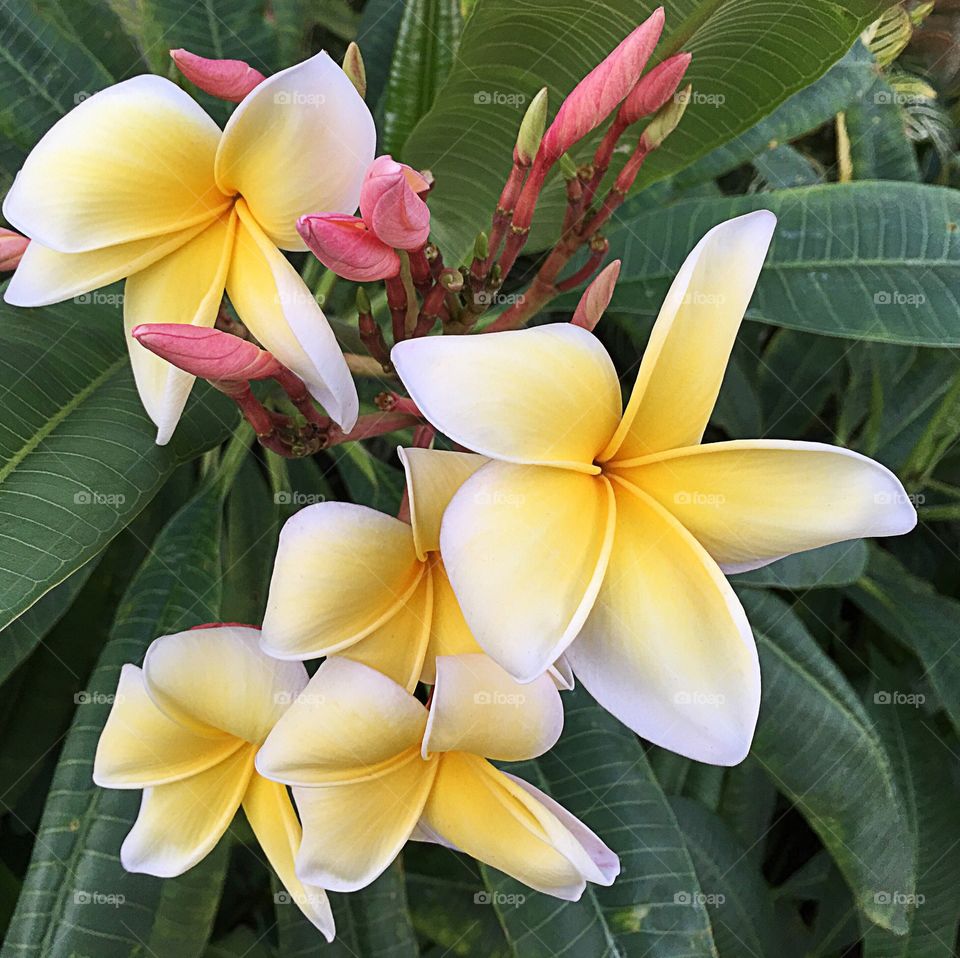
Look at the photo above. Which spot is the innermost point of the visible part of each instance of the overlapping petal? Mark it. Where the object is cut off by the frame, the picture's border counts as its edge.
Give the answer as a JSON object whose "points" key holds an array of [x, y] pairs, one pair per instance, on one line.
{"points": [[141, 746], [750, 502], [274, 822], [526, 548], [341, 572], [685, 359], [478, 707], [180, 823], [133, 161], [433, 476], [667, 648], [449, 632], [183, 287], [299, 143], [350, 724], [486, 814], [278, 308], [218, 679], [544, 395]]}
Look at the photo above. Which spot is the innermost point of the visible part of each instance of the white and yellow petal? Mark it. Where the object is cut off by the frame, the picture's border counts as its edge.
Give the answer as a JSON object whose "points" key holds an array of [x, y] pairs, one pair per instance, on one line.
{"points": [[478, 707], [278, 308], [133, 161], [686, 357], [449, 632], [217, 678], [183, 287], [341, 572], [300, 143], [45, 276], [180, 823], [141, 746], [667, 648], [526, 548], [274, 822], [351, 723], [545, 395], [433, 476], [487, 814], [750, 502], [352, 832]]}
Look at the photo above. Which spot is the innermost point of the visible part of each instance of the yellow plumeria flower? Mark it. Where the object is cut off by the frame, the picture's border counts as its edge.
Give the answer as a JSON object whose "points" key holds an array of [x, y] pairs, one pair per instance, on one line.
{"points": [[612, 530], [371, 767], [186, 729], [139, 182], [351, 581]]}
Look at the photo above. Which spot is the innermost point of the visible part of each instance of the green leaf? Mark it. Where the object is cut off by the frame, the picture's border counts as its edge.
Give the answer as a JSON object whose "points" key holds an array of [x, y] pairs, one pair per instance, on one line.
{"points": [[827, 567], [77, 455], [859, 260], [598, 772], [922, 758], [101, 29], [783, 168], [819, 747], [424, 52], [44, 72], [24, 634], [879, 148], [743, 65], [735, 893], [807, 109], [917, 616], [77, 899]]}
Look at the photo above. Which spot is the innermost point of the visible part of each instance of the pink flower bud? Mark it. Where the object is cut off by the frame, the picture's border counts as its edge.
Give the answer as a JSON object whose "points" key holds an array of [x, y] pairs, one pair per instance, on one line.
{"points": [[654, 89], [390, 206], [226, 79], [208, 353], [12, 248], [596, 96], [345, 245], [596, 297]]}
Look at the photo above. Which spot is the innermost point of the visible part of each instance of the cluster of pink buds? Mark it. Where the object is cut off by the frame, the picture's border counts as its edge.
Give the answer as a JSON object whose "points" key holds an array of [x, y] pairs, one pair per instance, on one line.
{"points": [[230, 364]]}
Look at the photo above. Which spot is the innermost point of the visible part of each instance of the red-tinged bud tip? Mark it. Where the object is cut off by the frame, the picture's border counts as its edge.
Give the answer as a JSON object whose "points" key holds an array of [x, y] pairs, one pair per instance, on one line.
{"points": [[226, 79], [596, 96], [12, 248], [347, 246], [390, 204], [209, 353], [655, 89], [596, 297]]}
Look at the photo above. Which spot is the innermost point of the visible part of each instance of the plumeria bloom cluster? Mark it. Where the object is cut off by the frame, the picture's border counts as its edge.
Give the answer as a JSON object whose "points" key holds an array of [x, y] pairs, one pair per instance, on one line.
{"points": [[563, 537]]}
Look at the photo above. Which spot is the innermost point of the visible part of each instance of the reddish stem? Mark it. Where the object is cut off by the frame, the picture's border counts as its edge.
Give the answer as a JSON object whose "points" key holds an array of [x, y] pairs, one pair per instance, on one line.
{"points": [[397, 301]]}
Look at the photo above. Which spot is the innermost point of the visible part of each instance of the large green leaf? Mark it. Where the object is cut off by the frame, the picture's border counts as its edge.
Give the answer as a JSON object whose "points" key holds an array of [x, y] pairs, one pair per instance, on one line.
{"points": [[424, 52], [818, 745], [859, 260], [736, 895], [598, 771], [840, 564], [879, 148], [925, 761], [77, 899], [925, 621], [748, 56], [77, 455]]}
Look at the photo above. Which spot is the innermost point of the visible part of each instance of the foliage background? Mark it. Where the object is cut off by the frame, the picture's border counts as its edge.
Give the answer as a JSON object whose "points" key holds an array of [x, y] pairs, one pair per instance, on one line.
{"points": [[839, 835]]}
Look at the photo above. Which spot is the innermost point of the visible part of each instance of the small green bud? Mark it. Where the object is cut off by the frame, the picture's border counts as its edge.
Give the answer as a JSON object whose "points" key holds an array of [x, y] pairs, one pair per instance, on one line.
{"points": [[481, 246], [363, 301], [568, 169], [665, 120], [354, 69], [531, 128]]}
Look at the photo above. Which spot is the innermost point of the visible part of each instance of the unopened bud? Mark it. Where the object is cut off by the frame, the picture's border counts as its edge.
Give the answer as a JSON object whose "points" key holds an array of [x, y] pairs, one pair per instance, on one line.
{"points": [[391, 206], [225, 79], [451, 280], [531, 129], [345, 245], [481, 246], [568, 169], [667, 118], [363, 301], [209, 353], [596, 297], [654, 89], [12, 248], [354, 69]]}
